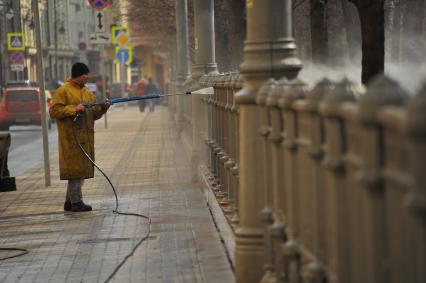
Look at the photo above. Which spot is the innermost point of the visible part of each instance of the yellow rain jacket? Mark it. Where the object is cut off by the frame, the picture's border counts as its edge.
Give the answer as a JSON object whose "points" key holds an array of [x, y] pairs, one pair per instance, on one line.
{"points": [[72, 162]]}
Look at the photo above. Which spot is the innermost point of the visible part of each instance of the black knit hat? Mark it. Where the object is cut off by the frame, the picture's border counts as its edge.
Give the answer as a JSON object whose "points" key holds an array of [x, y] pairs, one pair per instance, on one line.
{"points": [[79, 69]]}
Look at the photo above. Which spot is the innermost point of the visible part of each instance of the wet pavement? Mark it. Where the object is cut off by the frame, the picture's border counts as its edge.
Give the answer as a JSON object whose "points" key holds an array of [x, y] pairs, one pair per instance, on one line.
{"points": [[144, 158]]}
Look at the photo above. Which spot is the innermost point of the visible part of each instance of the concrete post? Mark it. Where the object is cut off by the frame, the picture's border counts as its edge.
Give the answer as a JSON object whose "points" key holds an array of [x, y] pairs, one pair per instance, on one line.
{"points": [[269, 52], [183, 71]]}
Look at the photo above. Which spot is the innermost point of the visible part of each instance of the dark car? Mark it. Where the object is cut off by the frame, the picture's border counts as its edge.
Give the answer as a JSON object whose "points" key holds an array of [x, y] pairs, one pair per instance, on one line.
{"points": [[21, 106]]}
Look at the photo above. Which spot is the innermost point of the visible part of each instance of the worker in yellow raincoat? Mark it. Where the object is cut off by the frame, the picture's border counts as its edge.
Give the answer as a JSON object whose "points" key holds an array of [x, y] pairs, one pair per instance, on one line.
{"points": [[74, 166]]}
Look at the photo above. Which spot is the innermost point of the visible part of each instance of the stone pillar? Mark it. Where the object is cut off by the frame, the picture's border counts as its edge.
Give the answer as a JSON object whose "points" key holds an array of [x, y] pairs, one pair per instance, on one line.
{"points": [[183, 72], [182, 68], [205, 60], [269, 51], [205, 63]]}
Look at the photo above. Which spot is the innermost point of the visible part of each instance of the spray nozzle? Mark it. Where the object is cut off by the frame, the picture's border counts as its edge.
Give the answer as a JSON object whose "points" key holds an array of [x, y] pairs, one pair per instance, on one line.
{"points": [[88, 104]]}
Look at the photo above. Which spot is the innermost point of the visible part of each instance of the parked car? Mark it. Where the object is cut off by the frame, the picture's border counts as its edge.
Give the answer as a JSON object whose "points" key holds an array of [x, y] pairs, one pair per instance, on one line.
{"points": [[26, 83], [21, 106]]}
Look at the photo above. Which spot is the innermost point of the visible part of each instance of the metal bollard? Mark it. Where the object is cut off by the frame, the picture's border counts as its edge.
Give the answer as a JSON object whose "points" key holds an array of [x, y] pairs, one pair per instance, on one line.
{"points": [[7, 183]]}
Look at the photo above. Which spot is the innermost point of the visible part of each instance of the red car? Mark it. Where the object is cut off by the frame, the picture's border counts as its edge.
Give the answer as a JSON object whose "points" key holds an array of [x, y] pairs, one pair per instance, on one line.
{"points": [[21, 106]]}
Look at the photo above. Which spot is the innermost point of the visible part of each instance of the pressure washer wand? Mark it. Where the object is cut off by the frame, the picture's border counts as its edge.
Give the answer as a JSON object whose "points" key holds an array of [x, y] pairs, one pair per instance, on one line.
{"points": [[134, 98]]}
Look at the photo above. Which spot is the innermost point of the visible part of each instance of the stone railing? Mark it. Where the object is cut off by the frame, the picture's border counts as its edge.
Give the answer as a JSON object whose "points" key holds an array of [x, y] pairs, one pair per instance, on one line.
{"points": [[344, 177]]}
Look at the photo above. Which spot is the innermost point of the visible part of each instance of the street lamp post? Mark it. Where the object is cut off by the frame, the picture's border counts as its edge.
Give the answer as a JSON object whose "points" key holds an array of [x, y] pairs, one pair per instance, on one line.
{"points": [[40, 77], [55, 76]]}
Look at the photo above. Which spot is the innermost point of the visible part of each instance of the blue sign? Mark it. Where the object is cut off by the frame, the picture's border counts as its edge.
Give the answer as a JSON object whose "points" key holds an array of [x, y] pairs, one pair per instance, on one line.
{"points": [[15, 41], [99, 4], [122, 55]]}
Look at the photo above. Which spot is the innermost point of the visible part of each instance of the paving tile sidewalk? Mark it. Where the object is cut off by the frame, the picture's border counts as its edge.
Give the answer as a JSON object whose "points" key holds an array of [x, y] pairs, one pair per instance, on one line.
{"points": [[144, 159]]}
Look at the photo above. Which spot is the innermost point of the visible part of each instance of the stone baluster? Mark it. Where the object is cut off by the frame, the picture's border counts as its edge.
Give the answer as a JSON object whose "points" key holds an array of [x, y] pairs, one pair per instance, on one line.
{"points": [[230, 162], [225, 140], [264, 149], [282, 102], [215, 144], [382, 91], [210, 140], [221, 154], [237, 84], [266, 173], [415, 129], [315, 271], [334, 177]]}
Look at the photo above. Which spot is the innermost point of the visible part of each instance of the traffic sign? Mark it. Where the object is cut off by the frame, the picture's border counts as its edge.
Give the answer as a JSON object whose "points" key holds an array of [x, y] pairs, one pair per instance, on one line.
{"points": [[82, 46], [99, 21], [99, 4], [17, 61], [15, 41], [100, 38], [17, 68], [119, 32], [122, 39], [123, 54], [17, 57]]}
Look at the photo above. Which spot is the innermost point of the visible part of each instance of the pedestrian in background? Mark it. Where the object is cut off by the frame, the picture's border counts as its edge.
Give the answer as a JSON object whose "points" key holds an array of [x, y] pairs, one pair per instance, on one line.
{"points": [[151, 89], [74, 166], [140, 91]]}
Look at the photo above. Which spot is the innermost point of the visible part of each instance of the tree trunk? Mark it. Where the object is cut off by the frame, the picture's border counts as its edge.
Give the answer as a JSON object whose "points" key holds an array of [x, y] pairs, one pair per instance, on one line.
{"points": [[230, 33], [396, 41], [302, 29], [372, 16], [413, 30], [237, 31], [389, 28], [319, 35], [353, 30], [337, 43]]}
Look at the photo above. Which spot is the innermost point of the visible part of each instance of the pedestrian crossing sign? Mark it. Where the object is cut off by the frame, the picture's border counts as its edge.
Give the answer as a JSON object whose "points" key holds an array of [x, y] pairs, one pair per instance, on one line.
{"points": [[16, 41]]}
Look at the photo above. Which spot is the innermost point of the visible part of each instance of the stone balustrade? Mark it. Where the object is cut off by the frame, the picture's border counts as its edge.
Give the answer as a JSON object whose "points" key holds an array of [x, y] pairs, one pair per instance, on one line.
{"points": [[343, 174]]}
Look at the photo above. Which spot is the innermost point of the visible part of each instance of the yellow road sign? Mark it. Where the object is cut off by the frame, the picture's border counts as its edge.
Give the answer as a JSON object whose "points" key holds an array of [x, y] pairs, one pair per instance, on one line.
{"points": [[120, 33], [16, 41], [122, 39]]}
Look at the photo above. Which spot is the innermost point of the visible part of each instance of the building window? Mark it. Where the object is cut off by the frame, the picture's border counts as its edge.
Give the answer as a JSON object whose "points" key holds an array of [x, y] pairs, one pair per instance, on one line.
{"points": [[77, 8]]}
